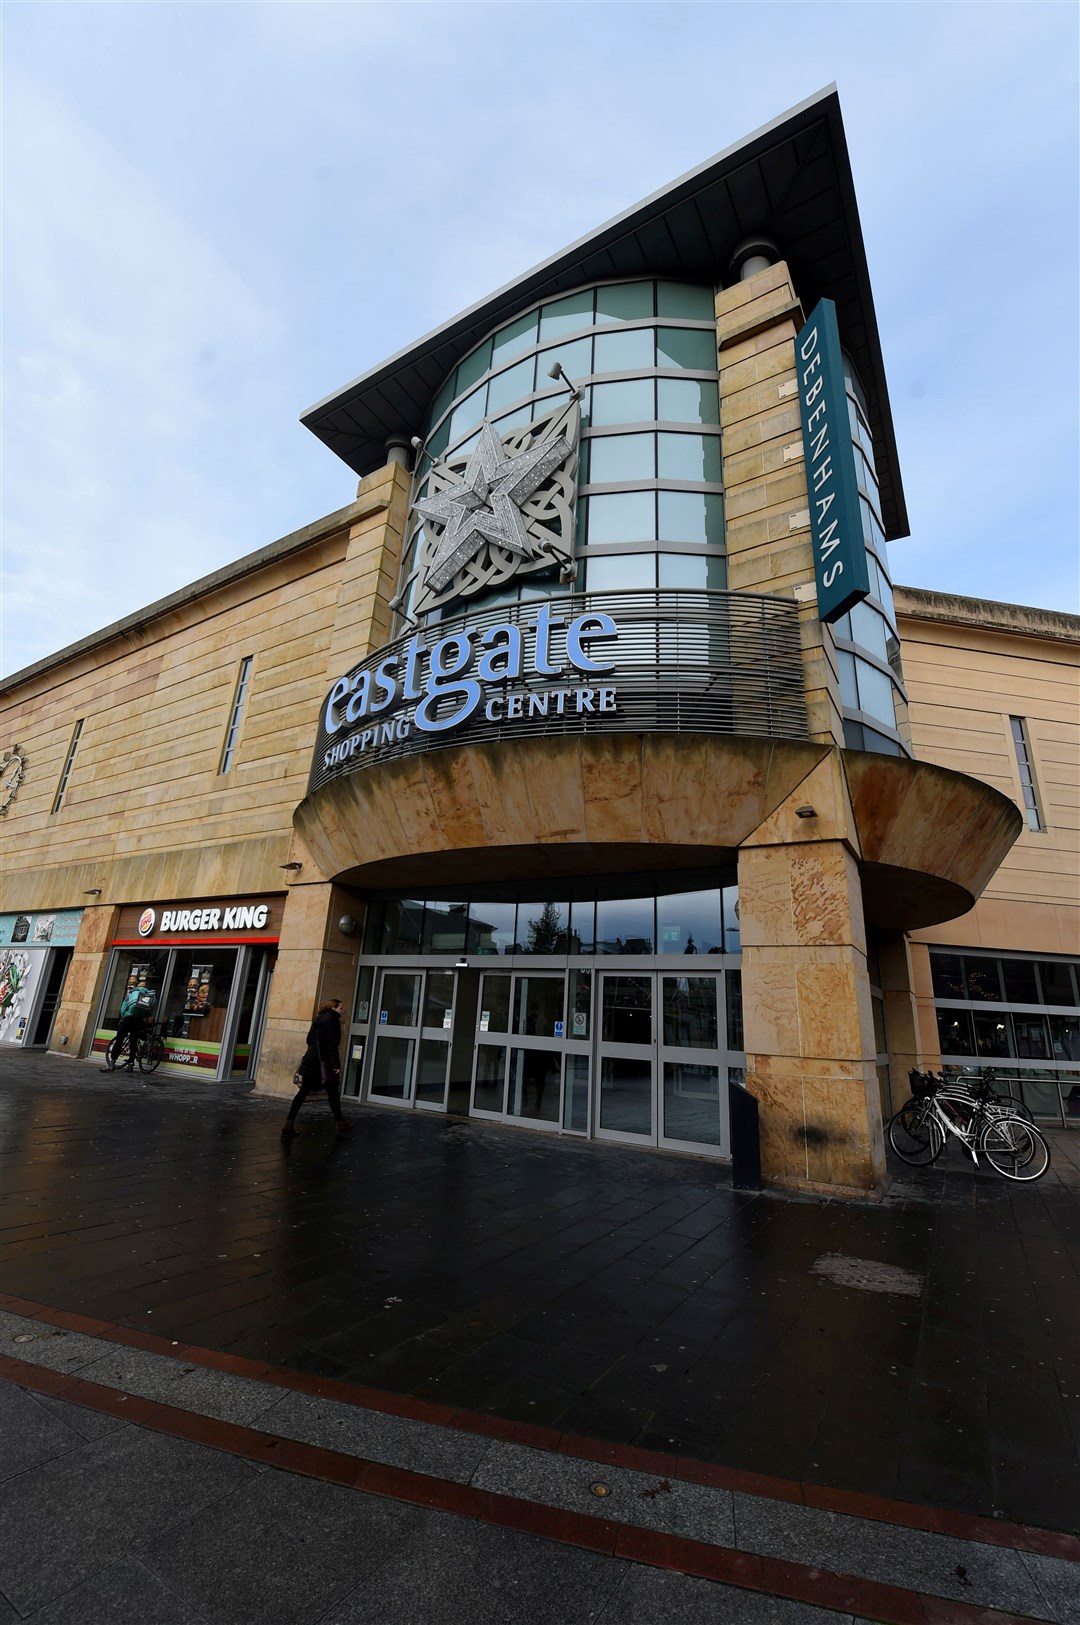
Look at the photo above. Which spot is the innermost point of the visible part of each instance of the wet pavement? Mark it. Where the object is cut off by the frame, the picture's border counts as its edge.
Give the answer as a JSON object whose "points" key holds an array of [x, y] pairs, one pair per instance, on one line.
{"points": [[613, 1294]]}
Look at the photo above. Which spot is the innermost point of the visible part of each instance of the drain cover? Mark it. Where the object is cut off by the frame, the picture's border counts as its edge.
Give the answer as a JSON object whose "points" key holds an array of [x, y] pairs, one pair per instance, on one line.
{"points": [[867, 1275]]}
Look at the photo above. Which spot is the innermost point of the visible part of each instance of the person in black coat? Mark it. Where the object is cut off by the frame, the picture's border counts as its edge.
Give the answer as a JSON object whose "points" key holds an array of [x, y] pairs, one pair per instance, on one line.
{"points": [[321, 1067]]}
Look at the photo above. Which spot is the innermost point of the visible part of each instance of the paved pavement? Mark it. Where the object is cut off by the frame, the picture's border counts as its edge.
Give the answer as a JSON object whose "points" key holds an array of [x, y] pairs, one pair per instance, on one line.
{"points": [[820, 1385]]}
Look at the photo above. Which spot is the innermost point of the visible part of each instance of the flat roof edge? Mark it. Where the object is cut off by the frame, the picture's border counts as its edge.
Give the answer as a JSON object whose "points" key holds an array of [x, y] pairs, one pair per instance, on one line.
{"points": [[922, 604]]}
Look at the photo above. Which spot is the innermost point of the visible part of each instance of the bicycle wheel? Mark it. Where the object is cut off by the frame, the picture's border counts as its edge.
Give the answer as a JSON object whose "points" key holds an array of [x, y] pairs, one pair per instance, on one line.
{"points": [[110, 1058], [151, 1054], [1015, 1149], [915, 1136]]}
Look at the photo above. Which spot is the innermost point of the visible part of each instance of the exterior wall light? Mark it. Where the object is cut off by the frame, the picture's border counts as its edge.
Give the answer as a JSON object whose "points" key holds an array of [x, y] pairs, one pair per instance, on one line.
{"points": [[805, 812], [291, 867], [462, 963], [347, 925], [92, 891]]}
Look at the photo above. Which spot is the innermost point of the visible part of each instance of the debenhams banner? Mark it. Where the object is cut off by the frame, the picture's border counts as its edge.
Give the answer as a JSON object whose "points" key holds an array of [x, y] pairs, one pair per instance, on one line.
{"points": [[840, 565], [658, 661]]}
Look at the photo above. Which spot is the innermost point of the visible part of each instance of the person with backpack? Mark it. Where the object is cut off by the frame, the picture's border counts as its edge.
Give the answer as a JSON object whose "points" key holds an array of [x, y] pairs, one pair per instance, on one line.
{"points": [[320, 1068], [138, 1006]]}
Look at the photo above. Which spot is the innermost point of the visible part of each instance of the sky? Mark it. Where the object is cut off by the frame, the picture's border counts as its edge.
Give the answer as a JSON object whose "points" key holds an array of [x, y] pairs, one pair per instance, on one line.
{"points": [[216, 214]]}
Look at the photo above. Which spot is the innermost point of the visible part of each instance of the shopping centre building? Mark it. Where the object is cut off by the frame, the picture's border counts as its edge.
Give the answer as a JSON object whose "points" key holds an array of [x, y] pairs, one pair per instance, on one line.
{"points": [[588, 754]]}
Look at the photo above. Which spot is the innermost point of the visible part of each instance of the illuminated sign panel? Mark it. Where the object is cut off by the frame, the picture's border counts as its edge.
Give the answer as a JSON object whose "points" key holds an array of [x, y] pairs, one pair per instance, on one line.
{"points": [[840, 564]]}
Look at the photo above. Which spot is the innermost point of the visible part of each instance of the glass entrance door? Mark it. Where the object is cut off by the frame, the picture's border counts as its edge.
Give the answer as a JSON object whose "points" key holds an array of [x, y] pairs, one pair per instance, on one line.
{"points": [[413, 1029], [661, 1060], [520, 1042]]}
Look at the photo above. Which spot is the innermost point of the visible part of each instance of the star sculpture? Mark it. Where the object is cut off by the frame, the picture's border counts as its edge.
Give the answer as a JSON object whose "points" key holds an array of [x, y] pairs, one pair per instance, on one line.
{"points": [[485, 505]]}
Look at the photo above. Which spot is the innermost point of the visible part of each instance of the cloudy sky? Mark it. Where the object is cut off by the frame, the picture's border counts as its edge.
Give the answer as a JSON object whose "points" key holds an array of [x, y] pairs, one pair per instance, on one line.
{"points": [[216, 214]]}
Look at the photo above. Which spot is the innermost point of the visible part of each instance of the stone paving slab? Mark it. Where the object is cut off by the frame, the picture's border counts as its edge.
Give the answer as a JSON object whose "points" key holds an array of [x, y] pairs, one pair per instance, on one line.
{"points": [[626, 1296]]}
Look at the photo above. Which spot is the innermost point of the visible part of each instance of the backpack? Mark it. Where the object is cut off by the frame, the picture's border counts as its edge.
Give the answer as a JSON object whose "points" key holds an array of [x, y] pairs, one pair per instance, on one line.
{"points": [[145, 1003]]}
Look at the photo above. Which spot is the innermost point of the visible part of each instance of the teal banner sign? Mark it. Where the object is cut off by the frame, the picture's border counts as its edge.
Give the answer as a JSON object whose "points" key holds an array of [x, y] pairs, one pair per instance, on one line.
{"points": [[840, 564]]}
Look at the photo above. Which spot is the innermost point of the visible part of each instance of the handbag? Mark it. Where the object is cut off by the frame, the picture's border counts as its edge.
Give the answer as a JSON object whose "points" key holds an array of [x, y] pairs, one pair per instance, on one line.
{"points": [[298, 1079]]}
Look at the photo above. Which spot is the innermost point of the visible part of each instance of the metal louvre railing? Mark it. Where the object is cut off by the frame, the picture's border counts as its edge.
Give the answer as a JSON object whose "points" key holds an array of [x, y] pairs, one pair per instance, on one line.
{"points": [[683, 662]]}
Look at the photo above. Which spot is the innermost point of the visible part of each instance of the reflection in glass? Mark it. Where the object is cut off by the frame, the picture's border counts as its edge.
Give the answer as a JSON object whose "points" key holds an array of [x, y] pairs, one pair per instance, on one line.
{"points": [[690, 457], [444, 928], [614, 457], [691, 516], [982, 979], [620, 572], [1065, 1037], [954, 1032], [625, 516], [490, 1089], [438, 997], [401, 927], [626, 1016], [509, 386], [628, 350], [690, 1018], [693, 572], [393, 1067], [624, 302], [992, 1035], [575, 1116], [1057, 983], [468, 412], [687, 301], [491, 928], [876, 694], [514, 338], [849, 689], [543, 928], [628, 402], [538, 1005], [732, 935], [362, 1007], [948, 977], [733, 1001], [1032, 1037], [689, 347], [473, 367], [626, 1096], [692, 1102], [431, 1072], [566, 315], [576, 359], [534, 1084], [624, 925], [685, 400], [495, 1003], [689, 922], [582, 926], [400, 998], [1021, 986]]}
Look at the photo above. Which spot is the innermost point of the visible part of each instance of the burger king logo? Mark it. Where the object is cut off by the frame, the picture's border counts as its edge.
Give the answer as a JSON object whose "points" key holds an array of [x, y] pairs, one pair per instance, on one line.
{"points": [[147, 920]]}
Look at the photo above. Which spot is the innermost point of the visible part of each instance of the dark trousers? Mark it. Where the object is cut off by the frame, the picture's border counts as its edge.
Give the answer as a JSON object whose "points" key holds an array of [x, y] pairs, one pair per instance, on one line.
{"points": [[333, 1095], [130, 1030]]}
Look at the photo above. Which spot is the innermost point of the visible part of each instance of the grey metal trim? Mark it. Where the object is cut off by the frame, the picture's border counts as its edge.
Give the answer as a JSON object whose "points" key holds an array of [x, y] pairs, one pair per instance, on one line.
{"points": [[791, 180]]}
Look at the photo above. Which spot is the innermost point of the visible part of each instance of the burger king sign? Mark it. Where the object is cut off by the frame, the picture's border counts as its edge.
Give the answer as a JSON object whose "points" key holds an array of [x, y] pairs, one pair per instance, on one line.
{"points": [[147, 921]]}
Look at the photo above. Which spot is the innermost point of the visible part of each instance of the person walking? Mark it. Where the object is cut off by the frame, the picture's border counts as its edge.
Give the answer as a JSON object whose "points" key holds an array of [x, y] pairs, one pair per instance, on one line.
{"points": [[321, 1067], [136, 1009]]}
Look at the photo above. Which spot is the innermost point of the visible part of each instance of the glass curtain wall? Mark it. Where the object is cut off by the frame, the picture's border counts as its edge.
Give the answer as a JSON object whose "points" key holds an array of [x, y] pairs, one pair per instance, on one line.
{"points": [[867, 645], [650, 504]]}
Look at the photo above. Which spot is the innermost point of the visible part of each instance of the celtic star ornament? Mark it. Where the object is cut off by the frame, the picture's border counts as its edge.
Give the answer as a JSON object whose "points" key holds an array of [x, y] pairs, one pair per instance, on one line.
{"points": [[510, 507]]}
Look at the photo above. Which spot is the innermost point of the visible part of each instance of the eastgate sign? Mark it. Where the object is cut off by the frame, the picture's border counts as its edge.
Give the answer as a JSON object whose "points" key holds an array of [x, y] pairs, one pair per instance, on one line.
{"points": [[434, 688], [840, 565]]}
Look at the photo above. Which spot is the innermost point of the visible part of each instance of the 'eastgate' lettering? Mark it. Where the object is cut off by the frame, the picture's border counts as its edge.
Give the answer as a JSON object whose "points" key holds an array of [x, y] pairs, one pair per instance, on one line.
{"points": [[456, 667], [241, 917]]}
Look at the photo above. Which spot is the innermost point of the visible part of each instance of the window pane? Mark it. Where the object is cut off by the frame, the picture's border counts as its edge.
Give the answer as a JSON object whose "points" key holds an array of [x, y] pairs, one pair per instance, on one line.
{"points": [[615, 457], [947, 973], [685, 400], [626, 1096], [732, 936], [474, 366], [566, 315], [576, 359], [868, 630], [491, 928], [400, 999], [697, 572], [490, 1078], [685, 299], [513, 339], [507, 386], [620, 572], [444, 928], [543, 928], [876, 694], [438, 997], [624, 302], [582, 926], [689, 1012], [1021, 986], [442, 400], [686, 347], [1032, 1037], [1057, 984], [390, 1076], [439, 440], [576, 1094], [468, 412], [627, 351], [691, 516], [624, 926], [954, 1032], [992, 1036], [431, 1072], [534, 1084], [628, 402], [362, 1008], [690, 457], [692, 1102], [517, 419], [1065, 1037], [539, 1002], [629, 516], [401, 927], [494, 1006], [982, 978], [626, 1017], [689, 922]]}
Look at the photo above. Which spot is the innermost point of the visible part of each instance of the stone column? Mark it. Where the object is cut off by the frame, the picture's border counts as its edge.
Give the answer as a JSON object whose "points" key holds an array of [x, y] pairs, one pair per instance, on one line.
{"points": [[810, 1048], [315, 963], [72, 1032], [901, 1014], [922, 985]]}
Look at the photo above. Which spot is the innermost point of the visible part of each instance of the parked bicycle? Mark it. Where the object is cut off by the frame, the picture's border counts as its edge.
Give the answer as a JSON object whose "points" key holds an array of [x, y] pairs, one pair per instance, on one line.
{"points": [[968, 1110], [149, 1051]]}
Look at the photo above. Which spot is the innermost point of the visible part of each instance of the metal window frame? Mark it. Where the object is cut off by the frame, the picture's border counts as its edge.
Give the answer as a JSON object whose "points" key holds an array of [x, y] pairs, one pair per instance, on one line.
{"points": [[1026, 762], [61, 788], [232, 732]]}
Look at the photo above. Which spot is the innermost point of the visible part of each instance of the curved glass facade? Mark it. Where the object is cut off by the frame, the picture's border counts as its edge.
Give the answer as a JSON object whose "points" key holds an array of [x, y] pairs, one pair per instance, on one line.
{"points": [[867, 645], [650, 504]]}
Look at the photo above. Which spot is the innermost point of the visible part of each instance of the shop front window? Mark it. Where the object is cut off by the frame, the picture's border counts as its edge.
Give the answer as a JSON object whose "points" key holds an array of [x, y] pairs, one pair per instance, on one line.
{"points": [[129, 967], [197, 1000]]}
